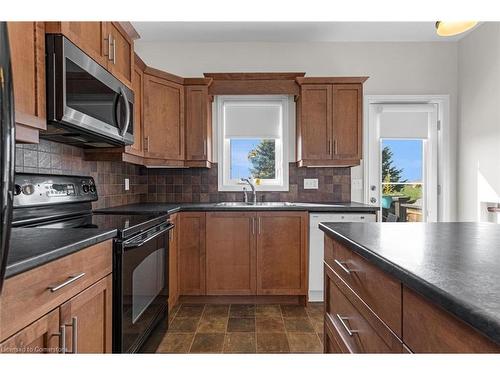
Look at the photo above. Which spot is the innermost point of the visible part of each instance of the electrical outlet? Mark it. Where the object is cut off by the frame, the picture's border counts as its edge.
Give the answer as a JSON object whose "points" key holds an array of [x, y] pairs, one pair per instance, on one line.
{"points": [[357, 184], [127, 184], [310, 183]]}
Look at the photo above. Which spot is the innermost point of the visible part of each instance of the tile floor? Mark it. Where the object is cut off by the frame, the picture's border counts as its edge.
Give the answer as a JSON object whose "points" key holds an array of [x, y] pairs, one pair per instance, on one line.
{"points": [[198, 328]]}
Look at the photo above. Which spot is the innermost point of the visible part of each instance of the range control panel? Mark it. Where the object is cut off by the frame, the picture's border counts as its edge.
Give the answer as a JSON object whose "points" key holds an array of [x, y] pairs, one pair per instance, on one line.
{"points": [[40, 189]]}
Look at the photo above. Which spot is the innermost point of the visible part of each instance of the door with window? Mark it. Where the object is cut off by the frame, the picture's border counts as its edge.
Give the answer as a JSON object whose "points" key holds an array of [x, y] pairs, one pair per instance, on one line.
{"points": [[403, 161]]}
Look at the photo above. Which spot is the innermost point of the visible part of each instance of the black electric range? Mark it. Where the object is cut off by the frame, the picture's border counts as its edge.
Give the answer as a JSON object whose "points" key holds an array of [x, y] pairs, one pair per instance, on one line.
{"points": [[140, 250]]}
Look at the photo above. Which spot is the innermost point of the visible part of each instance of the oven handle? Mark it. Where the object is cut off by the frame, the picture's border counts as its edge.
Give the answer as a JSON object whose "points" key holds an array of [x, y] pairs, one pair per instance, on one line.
{"points": [[131, 244]]}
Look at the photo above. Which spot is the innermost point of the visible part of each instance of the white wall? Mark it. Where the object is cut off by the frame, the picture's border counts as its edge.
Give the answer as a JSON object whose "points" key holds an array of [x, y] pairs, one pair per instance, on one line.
{"points": [[479, 121], [394, 68]]}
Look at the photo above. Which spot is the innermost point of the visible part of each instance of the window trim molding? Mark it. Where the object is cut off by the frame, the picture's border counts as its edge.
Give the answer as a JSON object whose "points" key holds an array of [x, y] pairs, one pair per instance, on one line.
{"points": [[222, 144]]}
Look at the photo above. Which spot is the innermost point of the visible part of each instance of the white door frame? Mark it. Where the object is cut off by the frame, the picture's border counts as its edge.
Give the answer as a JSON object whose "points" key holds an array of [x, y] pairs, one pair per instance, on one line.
{"points": [[444, 170]]}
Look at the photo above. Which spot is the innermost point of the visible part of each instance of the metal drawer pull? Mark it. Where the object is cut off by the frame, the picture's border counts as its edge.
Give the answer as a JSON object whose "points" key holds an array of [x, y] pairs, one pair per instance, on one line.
{"points": [[72, 279], [349, 331], [344, 268]]}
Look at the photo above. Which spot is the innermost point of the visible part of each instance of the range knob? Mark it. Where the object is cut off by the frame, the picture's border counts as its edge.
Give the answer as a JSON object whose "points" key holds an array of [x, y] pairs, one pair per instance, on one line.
{"points": [[17, 189], [92, 188], [85, 188], [28, 189]]}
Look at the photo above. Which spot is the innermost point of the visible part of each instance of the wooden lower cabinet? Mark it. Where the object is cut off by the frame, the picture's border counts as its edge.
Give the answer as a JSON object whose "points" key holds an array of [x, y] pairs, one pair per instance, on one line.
{"points": [[88, 319], [282, 253], [32, 315], [41, 336], [192, 253], [231, 253], [173, 263], [361, 319]]}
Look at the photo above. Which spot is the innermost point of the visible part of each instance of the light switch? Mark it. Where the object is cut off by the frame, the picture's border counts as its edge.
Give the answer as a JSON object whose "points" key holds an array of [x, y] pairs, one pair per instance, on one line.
{"points": [[127, 184], [310, 183]]}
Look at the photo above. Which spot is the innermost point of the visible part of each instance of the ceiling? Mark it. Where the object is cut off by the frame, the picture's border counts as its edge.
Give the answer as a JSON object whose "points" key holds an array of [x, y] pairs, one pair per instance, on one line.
{"points": [[290, 32]]}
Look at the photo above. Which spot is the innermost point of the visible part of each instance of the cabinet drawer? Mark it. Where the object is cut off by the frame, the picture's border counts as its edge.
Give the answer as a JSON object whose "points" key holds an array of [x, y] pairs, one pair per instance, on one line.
{"points": [[376, 288], [429, 329], [332, 342], [359, 329], [26, 297]]}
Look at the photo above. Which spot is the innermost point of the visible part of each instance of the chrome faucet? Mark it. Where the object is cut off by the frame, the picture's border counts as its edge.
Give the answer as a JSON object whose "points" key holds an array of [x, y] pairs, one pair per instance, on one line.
{"points": [[254, 193]]}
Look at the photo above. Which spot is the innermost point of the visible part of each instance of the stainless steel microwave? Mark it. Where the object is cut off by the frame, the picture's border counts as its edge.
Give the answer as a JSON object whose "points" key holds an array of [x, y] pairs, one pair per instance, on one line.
{"points": [[86, 105]]}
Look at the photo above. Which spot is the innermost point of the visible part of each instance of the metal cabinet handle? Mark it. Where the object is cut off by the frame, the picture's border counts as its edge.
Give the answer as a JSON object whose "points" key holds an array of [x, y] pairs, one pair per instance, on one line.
{"points": [[114, 51], [204, 147], [341, 265], [109, 40], [253, 225], [260, 225], [74, 335], [72, 279], [62, 338], [335, 147], [342, 320], [146, 143], [329, 147]]}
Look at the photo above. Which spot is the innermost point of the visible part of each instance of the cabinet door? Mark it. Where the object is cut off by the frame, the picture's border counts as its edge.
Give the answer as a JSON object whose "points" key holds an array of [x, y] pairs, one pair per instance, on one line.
{"points": [[92, 309], [173, 263], [198, 123], [163, 118], [27, 47], [122, 53], [282, 253], [231, 253], [137, 86], [41, 336], [347, 106], [192, 253], [90, 37], [315, 122]]}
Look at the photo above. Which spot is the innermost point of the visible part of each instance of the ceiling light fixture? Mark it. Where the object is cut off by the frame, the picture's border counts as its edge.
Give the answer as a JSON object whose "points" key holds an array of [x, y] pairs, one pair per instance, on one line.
{"points": [[450, 28]]}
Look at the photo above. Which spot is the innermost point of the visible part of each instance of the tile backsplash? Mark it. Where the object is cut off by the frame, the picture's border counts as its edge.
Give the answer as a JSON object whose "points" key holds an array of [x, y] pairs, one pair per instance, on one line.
{"points": [[56, 158], [200, 185], [171, 185]]}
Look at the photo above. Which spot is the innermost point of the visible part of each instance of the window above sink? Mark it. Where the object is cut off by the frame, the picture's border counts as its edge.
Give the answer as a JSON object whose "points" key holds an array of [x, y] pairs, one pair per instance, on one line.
{"points": [[252, 134]]}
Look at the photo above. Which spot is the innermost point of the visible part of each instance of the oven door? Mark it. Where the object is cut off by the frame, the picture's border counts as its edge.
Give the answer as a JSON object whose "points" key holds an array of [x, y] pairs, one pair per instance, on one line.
{"points": [[141, 287], [84, 100]]}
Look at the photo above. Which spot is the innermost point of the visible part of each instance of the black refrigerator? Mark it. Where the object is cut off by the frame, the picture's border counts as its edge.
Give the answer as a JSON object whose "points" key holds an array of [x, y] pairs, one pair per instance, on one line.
{"points": [[7, 148]]}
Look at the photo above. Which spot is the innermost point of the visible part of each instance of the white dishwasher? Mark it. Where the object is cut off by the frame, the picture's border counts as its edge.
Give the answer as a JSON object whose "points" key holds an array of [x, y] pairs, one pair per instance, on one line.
{"points": [[316, 245]]}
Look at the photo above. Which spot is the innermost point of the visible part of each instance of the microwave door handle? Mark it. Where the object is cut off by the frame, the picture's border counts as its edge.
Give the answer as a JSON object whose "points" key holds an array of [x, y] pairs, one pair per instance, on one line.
{"points": [[123, 97]]}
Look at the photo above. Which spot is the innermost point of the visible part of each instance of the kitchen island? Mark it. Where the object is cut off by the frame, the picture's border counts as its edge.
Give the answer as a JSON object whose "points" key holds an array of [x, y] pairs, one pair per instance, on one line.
{"points": [[415, 286]]}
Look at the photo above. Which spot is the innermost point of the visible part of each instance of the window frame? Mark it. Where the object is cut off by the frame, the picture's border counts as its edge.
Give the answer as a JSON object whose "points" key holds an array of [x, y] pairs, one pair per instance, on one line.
{"points": [[225, 183]]}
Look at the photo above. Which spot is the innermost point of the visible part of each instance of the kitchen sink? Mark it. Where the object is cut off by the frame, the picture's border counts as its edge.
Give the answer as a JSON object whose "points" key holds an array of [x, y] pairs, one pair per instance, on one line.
{"points": [[258, 204]]}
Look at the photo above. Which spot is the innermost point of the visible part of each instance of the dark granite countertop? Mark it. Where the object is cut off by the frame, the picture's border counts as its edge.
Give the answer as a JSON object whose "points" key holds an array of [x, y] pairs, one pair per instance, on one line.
{"points": [[33, 247], [455, 265], [170, 208]]}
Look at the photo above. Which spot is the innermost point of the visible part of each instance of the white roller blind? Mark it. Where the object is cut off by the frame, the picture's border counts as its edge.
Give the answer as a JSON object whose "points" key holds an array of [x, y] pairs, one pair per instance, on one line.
{"points": [[411, 121], [252, 120]]}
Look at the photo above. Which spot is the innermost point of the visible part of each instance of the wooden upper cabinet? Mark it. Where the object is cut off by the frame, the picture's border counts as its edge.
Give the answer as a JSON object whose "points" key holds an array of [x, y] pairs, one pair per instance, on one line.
{"points": [[230, 253], [105, 42], [282, 253], [198, 124], [315, 122], [329, 121], [347, 122], [192, 253], [90, 37], [163, 117], [41, 336], [120, 63], [27, 48], [88, 318]]}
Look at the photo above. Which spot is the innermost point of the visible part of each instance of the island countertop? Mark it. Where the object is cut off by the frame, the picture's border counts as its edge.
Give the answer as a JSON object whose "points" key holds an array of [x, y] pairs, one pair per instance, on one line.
{"points": [[454, 265]]}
